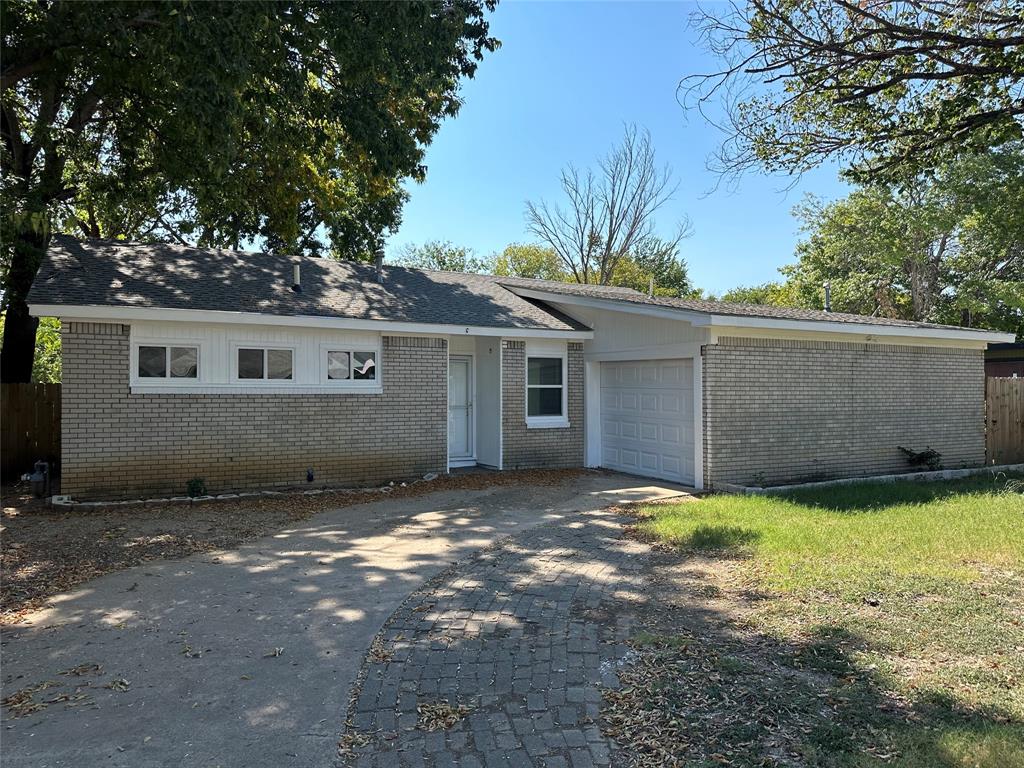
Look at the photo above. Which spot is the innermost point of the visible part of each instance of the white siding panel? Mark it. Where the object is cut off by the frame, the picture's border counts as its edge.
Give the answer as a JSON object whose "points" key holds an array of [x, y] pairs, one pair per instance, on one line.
{"points": [[619, 331], [216, 342]]}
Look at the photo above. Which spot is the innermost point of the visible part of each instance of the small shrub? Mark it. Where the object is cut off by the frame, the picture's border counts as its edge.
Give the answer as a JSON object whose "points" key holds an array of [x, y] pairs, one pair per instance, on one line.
{"points": [[196, 487], [928, 458]]}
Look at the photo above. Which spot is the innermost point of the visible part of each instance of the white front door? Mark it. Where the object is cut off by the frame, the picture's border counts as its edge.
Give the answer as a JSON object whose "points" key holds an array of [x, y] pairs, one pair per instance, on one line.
{"points": [[647, 418], [460, 408]]}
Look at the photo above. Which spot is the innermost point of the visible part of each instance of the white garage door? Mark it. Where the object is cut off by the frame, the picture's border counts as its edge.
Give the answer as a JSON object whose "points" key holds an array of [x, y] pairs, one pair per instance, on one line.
{"points": [[647, 418]]}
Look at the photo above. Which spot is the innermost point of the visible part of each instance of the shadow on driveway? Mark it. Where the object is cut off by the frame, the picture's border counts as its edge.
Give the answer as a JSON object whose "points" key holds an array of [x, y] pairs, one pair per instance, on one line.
{"points": [[246, 657]]}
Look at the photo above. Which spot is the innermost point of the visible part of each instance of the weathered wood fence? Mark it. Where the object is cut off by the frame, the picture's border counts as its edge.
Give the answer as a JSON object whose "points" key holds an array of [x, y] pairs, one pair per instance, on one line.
{"points": [[29, 427], [1004, 417]]}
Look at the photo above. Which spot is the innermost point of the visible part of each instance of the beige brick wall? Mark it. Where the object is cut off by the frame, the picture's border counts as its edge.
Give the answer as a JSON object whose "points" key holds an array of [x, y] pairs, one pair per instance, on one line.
{"points": [[554, 447], [780, 411], [116, 443]]}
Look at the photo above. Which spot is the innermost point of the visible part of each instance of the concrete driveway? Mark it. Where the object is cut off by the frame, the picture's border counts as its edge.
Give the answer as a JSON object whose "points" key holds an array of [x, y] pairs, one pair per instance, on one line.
{"points": [[247, 657]]}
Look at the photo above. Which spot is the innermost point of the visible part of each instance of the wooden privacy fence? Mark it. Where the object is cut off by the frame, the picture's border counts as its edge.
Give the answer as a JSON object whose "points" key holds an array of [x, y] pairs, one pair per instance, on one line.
{"points": [[29, 427], [1004, 419]]}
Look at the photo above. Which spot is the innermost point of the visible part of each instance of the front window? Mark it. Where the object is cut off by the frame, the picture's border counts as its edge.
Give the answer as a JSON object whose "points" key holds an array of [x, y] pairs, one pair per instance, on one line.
{"points": [[264, 364], [166, 362], [544, 386], [346, 365]]}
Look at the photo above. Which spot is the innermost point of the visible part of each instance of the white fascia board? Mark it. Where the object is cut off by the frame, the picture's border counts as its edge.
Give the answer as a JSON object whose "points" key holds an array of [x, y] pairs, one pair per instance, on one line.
{"points": [[127, 314], [723, 323]]}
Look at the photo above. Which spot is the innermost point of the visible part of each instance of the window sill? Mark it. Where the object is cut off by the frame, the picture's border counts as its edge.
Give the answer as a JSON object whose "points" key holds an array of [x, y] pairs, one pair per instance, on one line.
{"points": [[557, 422], [252, 389]]}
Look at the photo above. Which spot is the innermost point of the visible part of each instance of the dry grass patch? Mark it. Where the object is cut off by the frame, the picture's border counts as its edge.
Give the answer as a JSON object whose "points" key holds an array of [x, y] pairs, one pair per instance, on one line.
{"points": [[876, 624]]}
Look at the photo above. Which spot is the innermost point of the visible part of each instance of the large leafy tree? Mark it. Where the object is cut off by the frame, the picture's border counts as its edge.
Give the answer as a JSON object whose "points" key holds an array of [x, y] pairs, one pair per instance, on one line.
{"points": [[658, 263], [530, 260], [948, 248], [888, 89], [774, 294], [217, 123], [444, 256]]}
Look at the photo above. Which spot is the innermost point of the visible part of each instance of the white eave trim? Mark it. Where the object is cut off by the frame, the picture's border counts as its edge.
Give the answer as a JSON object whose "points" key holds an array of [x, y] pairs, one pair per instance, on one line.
{"points": [[722, 323], [127, 314]]}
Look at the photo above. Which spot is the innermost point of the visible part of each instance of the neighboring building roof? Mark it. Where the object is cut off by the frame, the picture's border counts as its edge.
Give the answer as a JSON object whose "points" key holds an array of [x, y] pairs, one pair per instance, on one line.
{"points": [[1012, 351], [115, 274]]}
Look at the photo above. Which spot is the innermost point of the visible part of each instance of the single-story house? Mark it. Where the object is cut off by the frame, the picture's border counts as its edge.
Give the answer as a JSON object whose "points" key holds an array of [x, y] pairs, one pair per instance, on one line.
{"points": [[255, 370]]}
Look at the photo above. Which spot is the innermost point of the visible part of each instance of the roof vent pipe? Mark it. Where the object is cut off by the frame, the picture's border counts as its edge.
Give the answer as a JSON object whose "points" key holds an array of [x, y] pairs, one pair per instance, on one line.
{"points": [[378, 262], [828, 296], [296, 280]]}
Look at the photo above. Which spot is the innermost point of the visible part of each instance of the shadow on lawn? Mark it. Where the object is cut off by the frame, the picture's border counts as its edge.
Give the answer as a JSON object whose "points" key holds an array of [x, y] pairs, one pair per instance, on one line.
{"points": [[711, 688], [873, 497]]}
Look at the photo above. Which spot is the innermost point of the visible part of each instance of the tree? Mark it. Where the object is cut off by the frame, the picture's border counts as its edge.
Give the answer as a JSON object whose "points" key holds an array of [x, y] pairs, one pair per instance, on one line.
{"points": [[442, 256], [658, 260], [610, 211], [773, 294], [891, 88], [948, 249], [216, 123], [46, 365], [530, 260]]}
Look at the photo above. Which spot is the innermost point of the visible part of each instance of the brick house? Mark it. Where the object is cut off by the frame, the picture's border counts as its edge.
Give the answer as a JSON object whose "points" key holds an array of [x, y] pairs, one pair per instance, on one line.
{"points": [[253, 370]]}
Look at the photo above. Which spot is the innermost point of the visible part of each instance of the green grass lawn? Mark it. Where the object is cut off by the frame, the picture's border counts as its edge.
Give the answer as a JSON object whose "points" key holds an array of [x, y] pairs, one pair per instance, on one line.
{"points": [[906, 599]]}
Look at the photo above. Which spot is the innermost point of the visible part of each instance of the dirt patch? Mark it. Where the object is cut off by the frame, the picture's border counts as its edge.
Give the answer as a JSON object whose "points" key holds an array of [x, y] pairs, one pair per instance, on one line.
{"points": [[48, 550]]}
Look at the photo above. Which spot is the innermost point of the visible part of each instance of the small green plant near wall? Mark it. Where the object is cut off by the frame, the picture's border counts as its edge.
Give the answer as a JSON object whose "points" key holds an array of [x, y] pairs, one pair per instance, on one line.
{"points": [[196, 487], [928, 458]]}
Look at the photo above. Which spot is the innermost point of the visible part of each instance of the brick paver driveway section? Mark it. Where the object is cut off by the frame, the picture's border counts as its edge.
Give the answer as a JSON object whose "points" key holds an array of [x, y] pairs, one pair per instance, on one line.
{"points": [[196, 639], [522, 636]]}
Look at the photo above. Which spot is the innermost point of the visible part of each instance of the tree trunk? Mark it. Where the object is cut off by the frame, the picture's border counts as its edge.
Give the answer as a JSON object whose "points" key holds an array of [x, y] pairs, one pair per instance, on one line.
{"points": [[19, 344]]}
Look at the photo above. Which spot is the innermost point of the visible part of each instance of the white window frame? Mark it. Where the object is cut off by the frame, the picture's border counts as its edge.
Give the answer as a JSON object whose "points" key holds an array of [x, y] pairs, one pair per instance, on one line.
{"points": [[550, 349], [264, 382], [374, 385], [167, 381]]}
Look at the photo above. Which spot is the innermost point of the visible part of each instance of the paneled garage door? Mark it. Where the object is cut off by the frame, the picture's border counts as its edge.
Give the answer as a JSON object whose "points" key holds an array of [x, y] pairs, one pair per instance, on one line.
{"points": [[647, 418]]}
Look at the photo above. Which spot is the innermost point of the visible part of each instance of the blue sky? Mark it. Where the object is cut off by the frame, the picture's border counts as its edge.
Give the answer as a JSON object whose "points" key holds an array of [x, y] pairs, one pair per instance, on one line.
{"points": [[566, 79]]}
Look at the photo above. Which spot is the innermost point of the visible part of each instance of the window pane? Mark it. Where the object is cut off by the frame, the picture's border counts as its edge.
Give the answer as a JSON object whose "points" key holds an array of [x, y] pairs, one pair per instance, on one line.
{"points": [[544, 370], [184, 362], [250, 363], [544, 401], [279, 363], [152, 362], [364, 365], [337, 366]]}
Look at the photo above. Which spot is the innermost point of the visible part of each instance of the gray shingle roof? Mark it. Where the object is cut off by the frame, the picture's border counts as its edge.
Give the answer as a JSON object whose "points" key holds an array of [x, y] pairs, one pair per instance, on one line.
{"points": [[105, 273], [723, 307]]}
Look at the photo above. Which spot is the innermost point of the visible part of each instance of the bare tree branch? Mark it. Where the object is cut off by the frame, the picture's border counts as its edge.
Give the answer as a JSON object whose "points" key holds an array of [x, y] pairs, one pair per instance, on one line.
{"points": [[885, 87], [609, 214]]}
